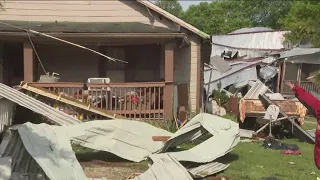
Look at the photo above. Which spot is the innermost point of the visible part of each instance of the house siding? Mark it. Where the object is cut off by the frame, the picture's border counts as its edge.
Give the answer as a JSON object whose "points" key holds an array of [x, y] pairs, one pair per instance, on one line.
{"points": [[81, 11], [185, 69]]}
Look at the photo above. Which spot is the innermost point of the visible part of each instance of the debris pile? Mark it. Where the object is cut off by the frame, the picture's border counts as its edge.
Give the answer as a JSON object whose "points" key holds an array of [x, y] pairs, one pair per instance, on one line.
{"points": [[250, 65], [42, 151]]}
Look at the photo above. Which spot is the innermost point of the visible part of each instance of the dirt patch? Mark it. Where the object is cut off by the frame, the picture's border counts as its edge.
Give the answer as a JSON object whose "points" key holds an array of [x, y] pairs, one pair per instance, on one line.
{"points": [[112, 170]]}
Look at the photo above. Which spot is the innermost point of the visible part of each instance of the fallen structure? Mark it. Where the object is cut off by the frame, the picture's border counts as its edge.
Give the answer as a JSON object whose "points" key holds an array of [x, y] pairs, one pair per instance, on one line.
{"points": [[47, 154]]}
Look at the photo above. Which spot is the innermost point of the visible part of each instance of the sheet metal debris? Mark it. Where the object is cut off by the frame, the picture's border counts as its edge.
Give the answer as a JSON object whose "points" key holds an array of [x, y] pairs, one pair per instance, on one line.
{"points": [[42, 150], [46, 150], [298, 52], [36, 106], [257, 89], [117, 136], [220, 64]]}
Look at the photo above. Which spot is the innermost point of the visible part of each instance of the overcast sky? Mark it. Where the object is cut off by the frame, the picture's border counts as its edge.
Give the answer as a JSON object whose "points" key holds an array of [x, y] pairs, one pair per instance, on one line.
{"points": [[185, 3]]}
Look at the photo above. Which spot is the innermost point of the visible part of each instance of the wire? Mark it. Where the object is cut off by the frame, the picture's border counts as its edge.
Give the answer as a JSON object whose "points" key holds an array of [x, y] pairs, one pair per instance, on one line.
{"points": [[58, 39], [35, 51]]}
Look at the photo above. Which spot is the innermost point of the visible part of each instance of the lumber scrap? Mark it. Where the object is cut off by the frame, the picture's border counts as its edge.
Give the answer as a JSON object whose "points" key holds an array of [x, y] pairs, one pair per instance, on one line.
{"points": [[161, 138], [68, 100], [296, 129]]}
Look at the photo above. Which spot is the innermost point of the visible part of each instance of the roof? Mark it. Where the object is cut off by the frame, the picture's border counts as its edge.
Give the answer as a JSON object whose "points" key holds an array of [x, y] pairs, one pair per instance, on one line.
{"points": [[266, 41], [84, 27], [173, 18], [299, 52], [251, 30]]}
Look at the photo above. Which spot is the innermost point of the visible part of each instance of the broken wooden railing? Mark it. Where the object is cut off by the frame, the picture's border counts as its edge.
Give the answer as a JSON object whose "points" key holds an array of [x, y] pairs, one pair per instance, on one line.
{"points": [[140, 101]]}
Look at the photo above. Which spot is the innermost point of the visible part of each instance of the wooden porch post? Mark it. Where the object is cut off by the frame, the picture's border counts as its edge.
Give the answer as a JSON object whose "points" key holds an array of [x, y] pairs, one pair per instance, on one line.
{"points": [[168, 90], [28, 63], [102, 63]]}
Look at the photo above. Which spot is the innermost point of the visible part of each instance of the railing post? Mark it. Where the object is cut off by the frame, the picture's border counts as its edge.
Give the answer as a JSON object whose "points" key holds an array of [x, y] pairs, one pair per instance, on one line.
{"points": [[28, 62], [168, 90]]}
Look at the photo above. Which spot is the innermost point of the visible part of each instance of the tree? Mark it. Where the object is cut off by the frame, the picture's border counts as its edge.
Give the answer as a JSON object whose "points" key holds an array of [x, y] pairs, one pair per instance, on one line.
{"points": [[216, 17], [220, 17], [172, 6], [303, 23]]}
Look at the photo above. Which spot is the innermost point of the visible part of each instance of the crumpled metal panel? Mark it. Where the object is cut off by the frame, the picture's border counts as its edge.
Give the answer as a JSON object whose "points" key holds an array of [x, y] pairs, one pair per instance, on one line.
{"points": [[42, 149], [225, 136], [28, 102], [165, 167], [238, 73], [5, 168], [131, 140], [298, 52], [207, 169], [220, 64], [6, 113], [263, 40], [255, 90]]}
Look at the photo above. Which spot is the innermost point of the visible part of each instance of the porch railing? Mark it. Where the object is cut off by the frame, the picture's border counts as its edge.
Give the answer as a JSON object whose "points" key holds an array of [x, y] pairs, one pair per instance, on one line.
{"points": [[141, 101], [307, 85]]}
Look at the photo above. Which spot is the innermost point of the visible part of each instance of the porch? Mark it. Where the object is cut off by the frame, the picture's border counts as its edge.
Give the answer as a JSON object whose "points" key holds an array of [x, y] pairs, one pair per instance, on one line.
{"points": [[298, 73], [140, 89]]}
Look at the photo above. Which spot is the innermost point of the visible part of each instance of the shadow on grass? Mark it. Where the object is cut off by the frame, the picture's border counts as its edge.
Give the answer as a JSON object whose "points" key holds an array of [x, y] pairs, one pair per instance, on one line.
{"points": [[87, 155]]}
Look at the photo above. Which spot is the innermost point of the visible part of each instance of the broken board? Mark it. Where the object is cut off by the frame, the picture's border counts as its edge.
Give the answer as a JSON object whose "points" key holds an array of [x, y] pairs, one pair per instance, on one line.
{"points": [[68, 100], [296, 129]]}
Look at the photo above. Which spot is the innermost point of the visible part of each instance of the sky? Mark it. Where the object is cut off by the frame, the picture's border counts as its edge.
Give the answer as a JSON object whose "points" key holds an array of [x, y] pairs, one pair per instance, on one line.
{"points": [[186, 3]]}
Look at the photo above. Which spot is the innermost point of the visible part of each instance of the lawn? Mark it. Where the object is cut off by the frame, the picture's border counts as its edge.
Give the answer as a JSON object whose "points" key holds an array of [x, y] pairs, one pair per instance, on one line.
{"points": [[252, 161], [247, 161]]}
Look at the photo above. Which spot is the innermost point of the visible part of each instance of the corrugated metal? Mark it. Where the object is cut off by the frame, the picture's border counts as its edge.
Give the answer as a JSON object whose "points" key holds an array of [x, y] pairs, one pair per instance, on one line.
{"points": [[212, 77], [6, 113], [22, 162], [207, 169], [36, 106], [220, 64], [42, 150], [225, 136], [251, 30], [257, 89], [263, 41], [298, 52], [165, 167], [117, 137]]}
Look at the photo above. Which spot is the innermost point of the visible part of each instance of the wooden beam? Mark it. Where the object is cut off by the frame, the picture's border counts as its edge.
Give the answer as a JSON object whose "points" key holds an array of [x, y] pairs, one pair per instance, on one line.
{"points": [[28, 63], [168, 90], [102, 63], [161, 138], [69, 101]]}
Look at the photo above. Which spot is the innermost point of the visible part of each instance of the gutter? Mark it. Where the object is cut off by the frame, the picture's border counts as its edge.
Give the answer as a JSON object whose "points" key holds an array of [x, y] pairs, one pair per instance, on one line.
{"points": [[101, 35]]}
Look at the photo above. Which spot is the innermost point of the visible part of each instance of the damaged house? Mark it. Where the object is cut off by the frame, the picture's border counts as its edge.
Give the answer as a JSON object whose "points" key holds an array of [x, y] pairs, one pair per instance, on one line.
{"points": [[158, 53], [242, 56]]}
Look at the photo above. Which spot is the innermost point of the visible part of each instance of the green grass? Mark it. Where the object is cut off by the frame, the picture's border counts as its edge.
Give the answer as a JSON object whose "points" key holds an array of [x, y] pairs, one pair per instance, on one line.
{"points": [[252, 161]]}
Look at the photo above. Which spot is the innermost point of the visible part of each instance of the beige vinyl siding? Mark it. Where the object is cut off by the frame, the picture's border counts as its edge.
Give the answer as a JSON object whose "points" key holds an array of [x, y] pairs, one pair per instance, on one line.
{"points": [[185, 68], [80, 11], [193, 73]]}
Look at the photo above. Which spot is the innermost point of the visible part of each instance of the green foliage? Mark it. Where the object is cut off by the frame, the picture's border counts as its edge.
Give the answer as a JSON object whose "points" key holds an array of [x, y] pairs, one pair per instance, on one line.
{"points": [[172, 6], [221, 17], [303, 22], [221, 98]]}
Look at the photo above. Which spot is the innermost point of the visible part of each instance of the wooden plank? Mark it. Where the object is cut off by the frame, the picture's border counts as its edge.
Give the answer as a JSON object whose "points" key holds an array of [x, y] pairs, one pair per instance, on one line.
{"points": [[68, 100], [161, 138], [298, 131]]}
